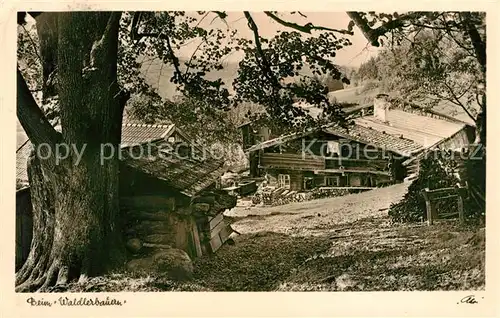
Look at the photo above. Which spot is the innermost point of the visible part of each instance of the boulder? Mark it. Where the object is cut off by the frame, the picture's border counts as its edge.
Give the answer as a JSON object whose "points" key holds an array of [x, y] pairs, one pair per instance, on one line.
{"points": [[140, 265], [134, 245], [159, 239], [173, 262], [153, 227]]}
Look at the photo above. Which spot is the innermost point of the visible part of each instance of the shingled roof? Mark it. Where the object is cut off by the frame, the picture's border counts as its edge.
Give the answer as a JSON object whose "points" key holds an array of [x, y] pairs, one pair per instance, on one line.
{"points": [[22, 155], [135, 133], [423, 130], [188, 176], [132, 133], [396, 144], [404, 133]]}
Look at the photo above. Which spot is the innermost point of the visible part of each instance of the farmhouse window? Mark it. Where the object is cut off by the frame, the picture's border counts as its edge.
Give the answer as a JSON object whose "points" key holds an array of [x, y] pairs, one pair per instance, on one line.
{"points": [[284, 181], [308, 183], [333, 147], [332, 181]]}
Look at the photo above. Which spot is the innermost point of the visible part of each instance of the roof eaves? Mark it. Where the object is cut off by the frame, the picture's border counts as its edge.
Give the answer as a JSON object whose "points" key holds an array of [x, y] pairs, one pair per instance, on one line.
{"points": [[168, 132]]}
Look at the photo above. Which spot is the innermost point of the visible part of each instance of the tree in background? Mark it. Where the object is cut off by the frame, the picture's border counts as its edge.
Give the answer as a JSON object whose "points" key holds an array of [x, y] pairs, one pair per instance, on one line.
{"points": [[427, 70], [447, 55], [433, 57]]}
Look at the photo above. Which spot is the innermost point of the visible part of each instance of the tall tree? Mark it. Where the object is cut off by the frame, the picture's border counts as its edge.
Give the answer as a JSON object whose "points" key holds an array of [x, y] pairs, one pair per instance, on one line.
{"points": [[74, 202]]}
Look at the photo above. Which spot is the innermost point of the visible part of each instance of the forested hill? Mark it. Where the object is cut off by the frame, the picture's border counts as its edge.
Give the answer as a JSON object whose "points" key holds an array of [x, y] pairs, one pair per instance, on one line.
{"points": [[434, 73]]}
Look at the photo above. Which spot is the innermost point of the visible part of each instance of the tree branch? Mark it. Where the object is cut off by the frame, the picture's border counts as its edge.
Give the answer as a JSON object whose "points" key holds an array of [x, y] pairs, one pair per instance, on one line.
{"points": [[175, 60], [265, 66], [161, 35], [307, 28], [31, 117], [369, 33], [192, 56], [477, 42], [372, 35], [457, 99]]}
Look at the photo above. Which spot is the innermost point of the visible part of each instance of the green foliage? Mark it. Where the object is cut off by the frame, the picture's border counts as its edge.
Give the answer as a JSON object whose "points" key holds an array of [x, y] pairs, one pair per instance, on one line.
{"points": [[28, 58], [429, 59], [196, 118], [368, 70], [286, 54], [266, 65]]}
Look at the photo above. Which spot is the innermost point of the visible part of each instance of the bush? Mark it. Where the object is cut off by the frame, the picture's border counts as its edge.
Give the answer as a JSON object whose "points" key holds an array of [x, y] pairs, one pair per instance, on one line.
{"points": [[440, 171]]}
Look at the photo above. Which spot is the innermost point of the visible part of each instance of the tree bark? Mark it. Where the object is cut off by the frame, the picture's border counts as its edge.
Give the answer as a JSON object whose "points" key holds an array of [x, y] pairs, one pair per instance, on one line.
{"points": [[75, 201]]}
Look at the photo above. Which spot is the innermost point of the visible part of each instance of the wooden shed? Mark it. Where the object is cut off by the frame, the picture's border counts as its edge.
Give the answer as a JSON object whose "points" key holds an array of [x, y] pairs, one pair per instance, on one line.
{"points": [[167, 198], [171, 201]]}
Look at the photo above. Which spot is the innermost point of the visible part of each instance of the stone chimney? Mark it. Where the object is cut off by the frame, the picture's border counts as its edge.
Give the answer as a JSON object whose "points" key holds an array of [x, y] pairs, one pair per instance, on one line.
{"points": [[381, 106]]}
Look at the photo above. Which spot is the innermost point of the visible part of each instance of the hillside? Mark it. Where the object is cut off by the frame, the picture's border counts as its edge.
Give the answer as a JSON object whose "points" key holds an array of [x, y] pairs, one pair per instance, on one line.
{"points": [[364, 94]]}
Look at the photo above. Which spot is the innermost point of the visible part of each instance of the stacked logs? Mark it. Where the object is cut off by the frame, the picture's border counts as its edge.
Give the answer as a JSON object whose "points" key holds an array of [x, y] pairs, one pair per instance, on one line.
{"points": [[156, 224], [208, 209]]}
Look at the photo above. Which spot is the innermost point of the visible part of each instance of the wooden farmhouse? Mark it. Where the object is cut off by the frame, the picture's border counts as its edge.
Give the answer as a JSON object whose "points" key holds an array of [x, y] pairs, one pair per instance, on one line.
{"points": [[168, 195], [378, 147]]}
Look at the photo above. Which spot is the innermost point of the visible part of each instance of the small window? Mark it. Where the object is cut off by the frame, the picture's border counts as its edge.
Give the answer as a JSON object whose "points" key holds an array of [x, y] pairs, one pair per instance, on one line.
{"points": [[333, 147], [332, 181], [308, 183], [284, 181]]}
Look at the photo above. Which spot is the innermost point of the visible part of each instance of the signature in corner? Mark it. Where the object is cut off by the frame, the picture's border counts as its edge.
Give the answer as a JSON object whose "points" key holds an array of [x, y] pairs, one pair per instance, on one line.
{"points": [[471, 299]]}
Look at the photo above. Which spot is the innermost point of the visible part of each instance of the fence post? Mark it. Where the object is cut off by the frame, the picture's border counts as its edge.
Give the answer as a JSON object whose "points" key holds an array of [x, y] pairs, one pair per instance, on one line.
{"points": [[460, 209], [428, 206], [462, 192]]}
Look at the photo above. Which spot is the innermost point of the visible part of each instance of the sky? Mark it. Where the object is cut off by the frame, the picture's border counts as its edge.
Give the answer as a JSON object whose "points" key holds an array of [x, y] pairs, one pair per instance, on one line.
{"points": [[353, 55]]}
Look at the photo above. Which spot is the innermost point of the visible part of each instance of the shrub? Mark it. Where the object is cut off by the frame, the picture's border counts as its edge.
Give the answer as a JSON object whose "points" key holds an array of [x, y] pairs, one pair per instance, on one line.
{"points": [[439, 170], [434, 174]]}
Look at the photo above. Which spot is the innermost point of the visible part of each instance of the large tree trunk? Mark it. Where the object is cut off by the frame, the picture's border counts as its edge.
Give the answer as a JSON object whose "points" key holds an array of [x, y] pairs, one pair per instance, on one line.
{"points": [[75, 202]]}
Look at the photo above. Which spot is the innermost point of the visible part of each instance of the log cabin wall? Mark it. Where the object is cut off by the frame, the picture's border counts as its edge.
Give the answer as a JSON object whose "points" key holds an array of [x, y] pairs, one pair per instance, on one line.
{"points": [[157, 216], [154, 222], [461, 139]]}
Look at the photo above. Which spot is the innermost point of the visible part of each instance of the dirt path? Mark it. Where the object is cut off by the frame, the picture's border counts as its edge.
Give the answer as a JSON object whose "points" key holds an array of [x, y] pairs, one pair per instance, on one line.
{"points": [[316, 217]]}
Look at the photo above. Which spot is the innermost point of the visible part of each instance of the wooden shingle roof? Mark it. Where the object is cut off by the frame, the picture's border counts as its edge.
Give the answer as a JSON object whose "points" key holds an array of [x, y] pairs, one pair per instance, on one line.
{"points": [[139, 133], [423, 130], [368, 136], [188, 176]]}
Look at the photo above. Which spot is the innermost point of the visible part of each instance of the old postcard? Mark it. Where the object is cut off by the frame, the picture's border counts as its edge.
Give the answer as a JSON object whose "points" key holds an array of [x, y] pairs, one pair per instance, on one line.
{"points": [[331, 157]]}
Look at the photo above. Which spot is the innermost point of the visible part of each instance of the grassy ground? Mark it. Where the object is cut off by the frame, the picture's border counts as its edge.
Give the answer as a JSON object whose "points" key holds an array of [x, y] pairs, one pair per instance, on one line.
{"points": [[336, 244], [368, 254]]}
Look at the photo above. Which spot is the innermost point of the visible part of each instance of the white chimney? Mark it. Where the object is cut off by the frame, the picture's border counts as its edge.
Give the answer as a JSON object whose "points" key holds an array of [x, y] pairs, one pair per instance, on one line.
{"points": [[381, 106]]}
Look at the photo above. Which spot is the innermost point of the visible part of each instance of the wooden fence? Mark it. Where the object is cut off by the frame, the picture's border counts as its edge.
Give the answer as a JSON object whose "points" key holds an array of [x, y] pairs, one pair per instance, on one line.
{"points": [[434, 196]]}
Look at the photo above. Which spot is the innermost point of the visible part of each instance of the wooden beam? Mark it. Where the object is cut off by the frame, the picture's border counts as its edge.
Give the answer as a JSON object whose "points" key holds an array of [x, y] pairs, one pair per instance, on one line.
{"points": [[196, 239], [432, 196], [215, 231], [428, 206], [216, 220], [460, 202]]}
